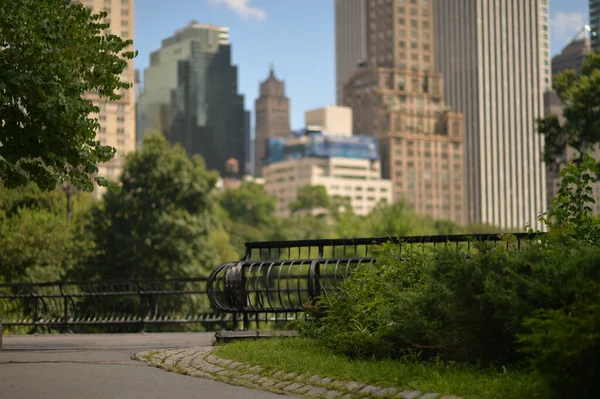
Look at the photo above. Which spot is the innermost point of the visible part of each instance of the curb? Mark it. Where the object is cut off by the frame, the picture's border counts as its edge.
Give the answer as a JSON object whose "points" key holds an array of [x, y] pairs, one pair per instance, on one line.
{"points": [[201, 362]]}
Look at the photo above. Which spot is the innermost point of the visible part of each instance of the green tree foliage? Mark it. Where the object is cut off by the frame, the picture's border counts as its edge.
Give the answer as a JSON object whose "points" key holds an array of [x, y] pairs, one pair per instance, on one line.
{"points": [[36, 242], [571, 212], [580, 95], [54, 51], [398, 220], [310, 198], [249, 204], [250, 214], [158, 225]]}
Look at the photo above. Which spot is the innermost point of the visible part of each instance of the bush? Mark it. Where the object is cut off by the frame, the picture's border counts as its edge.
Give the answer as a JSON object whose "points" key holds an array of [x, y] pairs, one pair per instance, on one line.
{"points": [[355, 319], [496, 306], [564, 346]]}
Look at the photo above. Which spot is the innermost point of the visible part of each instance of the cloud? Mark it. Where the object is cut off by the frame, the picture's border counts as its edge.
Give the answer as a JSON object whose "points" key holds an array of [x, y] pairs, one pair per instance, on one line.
{"points": [[242, 8], [564, 25]]}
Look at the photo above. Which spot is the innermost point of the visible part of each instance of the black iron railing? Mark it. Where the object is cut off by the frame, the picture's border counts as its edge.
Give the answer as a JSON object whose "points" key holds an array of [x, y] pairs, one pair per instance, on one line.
{"points": [[109, 306], [272, 284], [282, 277]]}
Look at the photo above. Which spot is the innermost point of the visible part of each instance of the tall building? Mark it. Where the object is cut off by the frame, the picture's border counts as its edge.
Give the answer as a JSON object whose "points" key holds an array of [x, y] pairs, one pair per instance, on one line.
{"points": [[350, 41], [595, 24], [249, 167], [347, 166], [494, 56], [137, 84], [117, 118], [190, 94], [332, 119], [272, 113], [398, 97], [572, 56]]}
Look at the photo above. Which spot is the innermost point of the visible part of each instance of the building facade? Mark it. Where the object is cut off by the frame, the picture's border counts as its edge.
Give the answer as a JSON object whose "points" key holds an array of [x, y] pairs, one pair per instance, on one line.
{"points": [[272, 113], [595, 23], [190, 94], [350, 41], [117, 118], [347, 166], [399, 98], [494, 56], [332, 119], [572, 56]]}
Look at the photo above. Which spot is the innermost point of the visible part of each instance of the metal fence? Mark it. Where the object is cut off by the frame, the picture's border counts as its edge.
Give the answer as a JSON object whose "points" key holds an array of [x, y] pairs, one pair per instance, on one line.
{"points": [[270, 286], [279, 278], [109, 306]]}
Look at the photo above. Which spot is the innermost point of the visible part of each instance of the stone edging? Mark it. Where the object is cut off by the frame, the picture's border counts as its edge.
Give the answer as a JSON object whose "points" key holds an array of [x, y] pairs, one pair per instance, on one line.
{"points": [[200, 362]]}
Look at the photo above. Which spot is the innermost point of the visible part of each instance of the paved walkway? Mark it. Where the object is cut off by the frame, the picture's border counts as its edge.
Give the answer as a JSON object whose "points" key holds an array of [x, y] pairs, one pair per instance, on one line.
{"points": [[101, 366], [200, 362]]}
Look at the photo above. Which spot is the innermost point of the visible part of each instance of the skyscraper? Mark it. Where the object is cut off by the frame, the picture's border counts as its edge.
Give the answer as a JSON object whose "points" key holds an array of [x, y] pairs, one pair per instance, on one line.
{"points": [[117, 118], [494, 56], [272, 113], [190, 94], [595, 23], [350, 40], [398, 98], [573, 55]]}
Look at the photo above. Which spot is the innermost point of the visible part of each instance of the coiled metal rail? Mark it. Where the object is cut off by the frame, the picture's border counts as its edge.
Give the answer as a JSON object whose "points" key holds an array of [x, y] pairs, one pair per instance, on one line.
{"points": [[276, 280]]}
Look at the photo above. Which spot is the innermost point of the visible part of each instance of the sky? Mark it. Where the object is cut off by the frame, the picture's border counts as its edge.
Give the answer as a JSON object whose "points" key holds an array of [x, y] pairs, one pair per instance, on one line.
{"points": [[296, 36]]}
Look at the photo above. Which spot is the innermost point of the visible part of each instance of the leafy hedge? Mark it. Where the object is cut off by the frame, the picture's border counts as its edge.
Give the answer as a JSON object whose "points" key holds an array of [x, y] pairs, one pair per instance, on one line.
{"points": [[494, 306]]}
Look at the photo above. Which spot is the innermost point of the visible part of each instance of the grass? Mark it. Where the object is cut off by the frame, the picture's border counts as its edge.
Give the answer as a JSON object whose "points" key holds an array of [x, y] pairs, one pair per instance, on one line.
{"points": [[307, 356]]}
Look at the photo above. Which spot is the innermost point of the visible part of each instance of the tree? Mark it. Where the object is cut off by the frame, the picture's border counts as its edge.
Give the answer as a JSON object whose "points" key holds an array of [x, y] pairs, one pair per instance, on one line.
{"points": [[310, 198], [52, 52], [250, 204], [159, 224], [580, 129], [37, 244], [250, 214], [398, 220]]}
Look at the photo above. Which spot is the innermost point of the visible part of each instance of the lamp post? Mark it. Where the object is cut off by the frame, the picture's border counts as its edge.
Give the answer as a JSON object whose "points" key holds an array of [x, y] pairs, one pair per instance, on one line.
{"points": [[69, 190]]}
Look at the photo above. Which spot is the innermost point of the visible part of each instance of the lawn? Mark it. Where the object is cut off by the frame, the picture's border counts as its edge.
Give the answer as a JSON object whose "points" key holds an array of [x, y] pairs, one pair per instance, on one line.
{"points": [[306, 356]]}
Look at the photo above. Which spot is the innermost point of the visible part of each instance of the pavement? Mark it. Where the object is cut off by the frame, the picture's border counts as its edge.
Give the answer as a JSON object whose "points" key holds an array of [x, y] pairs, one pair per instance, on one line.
{"points": [[101, 366]]}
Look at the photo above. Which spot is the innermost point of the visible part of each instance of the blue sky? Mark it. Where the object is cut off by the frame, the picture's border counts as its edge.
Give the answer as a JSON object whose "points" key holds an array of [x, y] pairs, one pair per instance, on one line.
{"points": [[297, 36]]}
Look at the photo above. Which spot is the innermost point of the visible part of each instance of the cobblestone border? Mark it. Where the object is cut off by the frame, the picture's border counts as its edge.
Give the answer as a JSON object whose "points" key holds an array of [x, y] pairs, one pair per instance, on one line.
{"points": [[201, 362]]}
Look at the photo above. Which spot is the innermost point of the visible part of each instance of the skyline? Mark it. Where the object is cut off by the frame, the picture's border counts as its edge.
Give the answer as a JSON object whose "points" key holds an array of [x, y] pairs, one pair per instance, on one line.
{"points": [[263, 31]]}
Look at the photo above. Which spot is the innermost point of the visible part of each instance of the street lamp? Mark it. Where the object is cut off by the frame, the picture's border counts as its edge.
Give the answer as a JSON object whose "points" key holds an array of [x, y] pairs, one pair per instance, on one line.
{"points": [[69, 190]]}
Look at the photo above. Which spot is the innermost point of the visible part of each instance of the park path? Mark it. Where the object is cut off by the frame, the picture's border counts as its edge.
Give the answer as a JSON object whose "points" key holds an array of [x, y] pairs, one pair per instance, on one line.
{"points": [[100, 366]]}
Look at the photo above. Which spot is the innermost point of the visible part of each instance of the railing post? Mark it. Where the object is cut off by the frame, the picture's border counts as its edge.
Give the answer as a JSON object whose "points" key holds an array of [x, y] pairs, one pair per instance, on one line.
{"points": [[142, 308], [1, 332], [245, 321], [35, 313], [65, 324]]}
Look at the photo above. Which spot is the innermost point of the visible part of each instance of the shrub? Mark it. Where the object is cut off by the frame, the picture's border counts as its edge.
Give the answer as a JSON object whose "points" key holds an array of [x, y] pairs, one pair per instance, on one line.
{"points": [[494, 306], [355, 319], [564, 346]]}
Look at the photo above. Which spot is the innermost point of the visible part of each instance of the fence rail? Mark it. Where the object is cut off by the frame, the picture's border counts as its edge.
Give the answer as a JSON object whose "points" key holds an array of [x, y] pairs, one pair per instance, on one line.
{"points": [[272, 284], [109, 305], [284, 276]]}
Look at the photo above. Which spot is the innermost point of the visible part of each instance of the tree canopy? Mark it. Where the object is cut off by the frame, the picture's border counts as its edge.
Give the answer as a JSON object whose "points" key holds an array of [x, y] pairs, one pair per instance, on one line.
{"points": [[53, 52], [580, 127], [159, 224], [36, 241], [310, 198]]}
